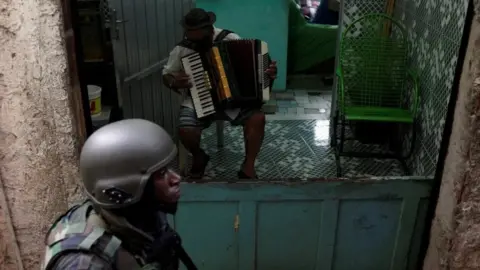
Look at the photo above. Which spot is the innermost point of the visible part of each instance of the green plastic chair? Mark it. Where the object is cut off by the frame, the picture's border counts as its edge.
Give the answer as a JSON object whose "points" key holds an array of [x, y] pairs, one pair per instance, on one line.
{"points": [[374, 81], [308, 44]]}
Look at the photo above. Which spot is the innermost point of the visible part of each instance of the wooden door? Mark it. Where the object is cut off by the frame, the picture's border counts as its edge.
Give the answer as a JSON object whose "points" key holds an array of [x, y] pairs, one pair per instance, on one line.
{"points": [[334, 225], [143, 33]]}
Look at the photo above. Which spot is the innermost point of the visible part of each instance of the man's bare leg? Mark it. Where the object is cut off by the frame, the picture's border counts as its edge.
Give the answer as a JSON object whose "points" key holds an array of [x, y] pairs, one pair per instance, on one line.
{"points": [[253, 132], [190, 138]]}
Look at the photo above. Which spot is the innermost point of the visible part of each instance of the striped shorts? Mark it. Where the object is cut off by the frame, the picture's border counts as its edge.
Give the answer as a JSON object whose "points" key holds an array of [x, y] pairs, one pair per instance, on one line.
{"points": [[188, 118]]}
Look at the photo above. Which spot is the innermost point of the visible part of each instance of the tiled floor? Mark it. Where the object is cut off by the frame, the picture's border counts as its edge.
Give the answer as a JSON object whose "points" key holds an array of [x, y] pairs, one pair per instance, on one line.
{"points": [[308, 104], [296, 144]]}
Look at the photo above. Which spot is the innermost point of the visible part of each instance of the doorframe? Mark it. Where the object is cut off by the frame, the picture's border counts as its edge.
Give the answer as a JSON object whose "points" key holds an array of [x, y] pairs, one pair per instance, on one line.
{"points": [[74, 20], [79, 57], [447, 131]]}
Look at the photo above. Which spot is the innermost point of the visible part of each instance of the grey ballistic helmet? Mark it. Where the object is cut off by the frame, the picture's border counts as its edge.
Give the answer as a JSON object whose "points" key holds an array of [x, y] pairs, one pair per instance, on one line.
{"points": [[118, 159]]}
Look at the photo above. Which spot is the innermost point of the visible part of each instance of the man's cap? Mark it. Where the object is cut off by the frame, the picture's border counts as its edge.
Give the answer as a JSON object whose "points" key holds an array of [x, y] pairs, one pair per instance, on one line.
{"points": [[198, 18]]}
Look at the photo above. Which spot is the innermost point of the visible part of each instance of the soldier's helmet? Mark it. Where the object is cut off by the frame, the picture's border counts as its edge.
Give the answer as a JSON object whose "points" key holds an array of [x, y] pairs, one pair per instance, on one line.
{"points": [[118, 159]]}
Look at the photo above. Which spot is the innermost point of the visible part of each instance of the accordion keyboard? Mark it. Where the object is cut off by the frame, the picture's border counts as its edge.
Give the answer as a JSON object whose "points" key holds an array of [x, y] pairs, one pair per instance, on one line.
{"points": [[201, 86]]}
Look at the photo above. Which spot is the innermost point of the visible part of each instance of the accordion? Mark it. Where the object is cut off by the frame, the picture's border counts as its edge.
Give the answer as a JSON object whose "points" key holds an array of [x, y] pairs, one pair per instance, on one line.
{"points": [[230, 75]]}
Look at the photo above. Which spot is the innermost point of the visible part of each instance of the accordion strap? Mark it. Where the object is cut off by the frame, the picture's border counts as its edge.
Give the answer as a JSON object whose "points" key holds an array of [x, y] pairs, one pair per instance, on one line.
{"points": [[186, 44], [190, 45], [223, 34]]}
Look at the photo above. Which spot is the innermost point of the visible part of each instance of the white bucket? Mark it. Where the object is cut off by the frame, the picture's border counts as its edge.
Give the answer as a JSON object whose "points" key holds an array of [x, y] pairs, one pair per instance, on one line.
{"points": [[95, 98]]}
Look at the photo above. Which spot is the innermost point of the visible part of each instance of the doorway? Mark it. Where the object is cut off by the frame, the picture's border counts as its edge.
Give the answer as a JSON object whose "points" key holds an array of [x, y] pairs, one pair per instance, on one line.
{"points": [[126, 43], [296, 159]]}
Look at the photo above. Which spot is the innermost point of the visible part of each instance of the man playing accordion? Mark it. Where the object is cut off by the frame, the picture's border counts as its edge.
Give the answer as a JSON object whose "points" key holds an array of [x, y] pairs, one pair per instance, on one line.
{"points": [[200, 34]]}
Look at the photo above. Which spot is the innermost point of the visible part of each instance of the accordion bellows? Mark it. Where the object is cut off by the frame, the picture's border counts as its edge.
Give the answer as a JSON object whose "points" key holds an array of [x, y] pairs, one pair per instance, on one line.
{"points": [[230, 75]]}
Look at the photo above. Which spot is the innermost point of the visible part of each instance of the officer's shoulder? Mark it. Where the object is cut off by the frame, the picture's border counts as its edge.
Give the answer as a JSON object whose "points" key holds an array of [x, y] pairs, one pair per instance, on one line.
{"points": [[80, 260]]}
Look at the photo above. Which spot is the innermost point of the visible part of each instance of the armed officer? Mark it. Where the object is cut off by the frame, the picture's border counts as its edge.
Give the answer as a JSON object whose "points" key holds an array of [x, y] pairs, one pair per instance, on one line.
{"points": [[122, 225]]}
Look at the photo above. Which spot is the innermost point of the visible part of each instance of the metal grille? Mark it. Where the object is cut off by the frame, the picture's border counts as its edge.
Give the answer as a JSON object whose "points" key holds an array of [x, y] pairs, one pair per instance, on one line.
{"points": [[374, 63], [434, 31], [355, 9], [352, 10]]}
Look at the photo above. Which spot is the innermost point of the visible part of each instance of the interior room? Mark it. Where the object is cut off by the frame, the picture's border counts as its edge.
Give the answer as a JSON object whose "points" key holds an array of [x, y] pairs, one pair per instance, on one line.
{"points": [[386, 70], [126, 43]]}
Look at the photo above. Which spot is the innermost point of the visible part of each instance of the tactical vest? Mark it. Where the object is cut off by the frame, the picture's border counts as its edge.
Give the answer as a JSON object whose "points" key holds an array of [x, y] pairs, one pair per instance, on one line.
{"points": [[72, 233]]}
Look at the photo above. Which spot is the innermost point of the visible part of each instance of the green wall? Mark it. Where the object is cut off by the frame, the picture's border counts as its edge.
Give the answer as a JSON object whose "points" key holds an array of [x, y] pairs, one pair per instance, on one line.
{"points": [[262, 19]]}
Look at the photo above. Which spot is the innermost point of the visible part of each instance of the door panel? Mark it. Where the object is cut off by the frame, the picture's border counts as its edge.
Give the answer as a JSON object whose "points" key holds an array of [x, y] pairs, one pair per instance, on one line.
{"points": [[146, 31], [323, 225], [366, 225], [294, 246], [210, 226]]}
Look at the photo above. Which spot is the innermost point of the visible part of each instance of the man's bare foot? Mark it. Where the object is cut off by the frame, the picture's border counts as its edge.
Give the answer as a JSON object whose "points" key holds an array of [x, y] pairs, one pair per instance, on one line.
{"points": [[243, 175], [246, 173]]}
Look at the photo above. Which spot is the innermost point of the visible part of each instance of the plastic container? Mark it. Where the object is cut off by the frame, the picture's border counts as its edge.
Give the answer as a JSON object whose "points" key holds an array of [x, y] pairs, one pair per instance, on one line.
{"points": [[95, 98]]}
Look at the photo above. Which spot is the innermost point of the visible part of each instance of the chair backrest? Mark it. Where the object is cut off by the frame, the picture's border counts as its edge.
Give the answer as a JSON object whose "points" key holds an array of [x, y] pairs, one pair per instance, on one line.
{"points": [[295, 18], [373, 59]]}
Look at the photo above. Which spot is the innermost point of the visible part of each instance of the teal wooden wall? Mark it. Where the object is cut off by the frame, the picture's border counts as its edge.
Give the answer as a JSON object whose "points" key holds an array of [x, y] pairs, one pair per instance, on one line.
{"points": [[262, 19], [336, 225]]}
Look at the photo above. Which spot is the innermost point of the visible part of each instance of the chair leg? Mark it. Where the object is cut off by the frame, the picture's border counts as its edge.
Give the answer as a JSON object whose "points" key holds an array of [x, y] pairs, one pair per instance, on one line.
{"points": [[342, 134], [333, 140], [182, 159], [220, 137], [412, 143], [336, 146], [403, 158]]}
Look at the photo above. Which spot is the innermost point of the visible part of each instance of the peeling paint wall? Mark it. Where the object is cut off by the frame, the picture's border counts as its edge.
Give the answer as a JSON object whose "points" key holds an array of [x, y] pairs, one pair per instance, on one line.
{"points": [[455, 233], [38, 145]]}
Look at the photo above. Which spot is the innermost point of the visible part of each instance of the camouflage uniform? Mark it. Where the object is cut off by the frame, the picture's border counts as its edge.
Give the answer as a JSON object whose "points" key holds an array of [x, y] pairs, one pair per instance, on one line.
{"points": [[117, 164], [79, 240]]}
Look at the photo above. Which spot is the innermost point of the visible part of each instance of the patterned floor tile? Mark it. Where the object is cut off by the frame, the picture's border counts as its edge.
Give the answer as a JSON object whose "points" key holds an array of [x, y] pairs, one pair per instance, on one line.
{"points": [[287, 104], [296, 144], [283, 96], [302, 99], [311, 82], [300, 102], [291, 149], [312, 111], [300, 93]]}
